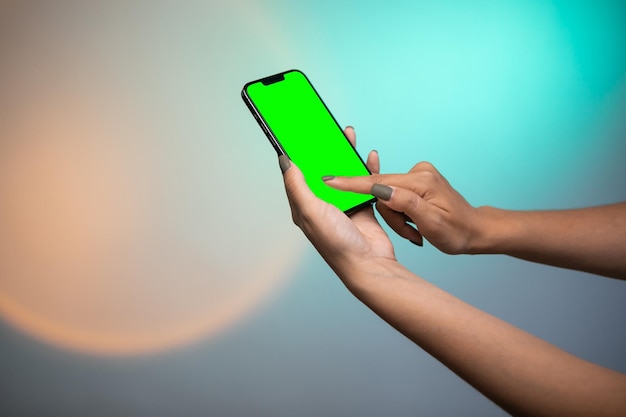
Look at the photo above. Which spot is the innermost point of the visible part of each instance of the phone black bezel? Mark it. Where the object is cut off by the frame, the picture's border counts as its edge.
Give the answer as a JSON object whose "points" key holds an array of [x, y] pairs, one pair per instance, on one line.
{"points": [[274, 140]]}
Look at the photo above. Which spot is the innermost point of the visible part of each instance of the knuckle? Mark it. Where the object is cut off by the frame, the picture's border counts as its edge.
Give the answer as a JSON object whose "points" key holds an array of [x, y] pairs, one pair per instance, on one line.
{"points": [[410, 201], [295, 218], [423, 166], [427, 166], [428, 176], [376, 178], [305, 218]]}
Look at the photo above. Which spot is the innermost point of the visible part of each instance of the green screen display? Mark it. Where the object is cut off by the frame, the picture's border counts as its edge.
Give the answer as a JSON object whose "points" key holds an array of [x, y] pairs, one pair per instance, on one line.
{"points": [[306, 131]]}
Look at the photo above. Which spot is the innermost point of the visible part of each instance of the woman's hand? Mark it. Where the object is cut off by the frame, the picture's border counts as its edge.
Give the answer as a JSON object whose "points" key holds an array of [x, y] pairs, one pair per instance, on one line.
{"points": [[345, 242], [590, 239], [422, 197]]}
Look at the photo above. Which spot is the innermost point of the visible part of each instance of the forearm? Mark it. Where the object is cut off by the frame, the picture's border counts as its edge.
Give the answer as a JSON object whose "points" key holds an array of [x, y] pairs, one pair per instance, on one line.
{"points": [[591, 239], [521, 373]]}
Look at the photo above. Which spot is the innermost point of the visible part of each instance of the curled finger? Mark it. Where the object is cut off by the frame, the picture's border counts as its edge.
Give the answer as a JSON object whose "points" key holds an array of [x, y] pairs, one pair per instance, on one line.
{"points": [[402, 200], [399, 222]]}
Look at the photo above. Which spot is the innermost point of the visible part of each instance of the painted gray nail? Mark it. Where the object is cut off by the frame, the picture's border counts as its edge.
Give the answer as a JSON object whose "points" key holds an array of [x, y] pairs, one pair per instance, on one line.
{"points": [[284, 163], [381, 191], [328, 178]]}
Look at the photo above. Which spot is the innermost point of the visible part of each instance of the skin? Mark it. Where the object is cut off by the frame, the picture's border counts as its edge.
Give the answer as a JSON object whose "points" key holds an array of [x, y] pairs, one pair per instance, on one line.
{"points": [[590, 239], [521, 373]]}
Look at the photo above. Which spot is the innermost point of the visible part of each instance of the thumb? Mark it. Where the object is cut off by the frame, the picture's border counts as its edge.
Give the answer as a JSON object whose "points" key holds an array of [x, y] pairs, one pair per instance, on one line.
{"points": [[298, 192], [402, 200]]}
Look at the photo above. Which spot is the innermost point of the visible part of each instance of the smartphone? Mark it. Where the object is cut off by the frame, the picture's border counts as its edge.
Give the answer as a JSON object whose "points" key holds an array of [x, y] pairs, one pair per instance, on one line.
{"points": [[298, 124]]}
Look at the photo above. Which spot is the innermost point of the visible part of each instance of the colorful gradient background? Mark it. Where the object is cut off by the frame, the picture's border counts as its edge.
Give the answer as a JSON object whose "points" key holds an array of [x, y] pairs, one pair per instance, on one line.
{"points": [[148, 264]]}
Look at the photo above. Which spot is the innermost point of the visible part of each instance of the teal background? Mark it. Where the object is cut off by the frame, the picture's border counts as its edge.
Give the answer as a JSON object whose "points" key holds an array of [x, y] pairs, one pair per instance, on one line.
{"points": [[520, 104]]}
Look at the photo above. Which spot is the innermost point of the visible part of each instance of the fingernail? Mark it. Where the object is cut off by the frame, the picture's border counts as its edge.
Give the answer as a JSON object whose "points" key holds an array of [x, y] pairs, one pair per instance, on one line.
{"points": [[381, 191], [420, 244], [284, 163], [328, 178]]}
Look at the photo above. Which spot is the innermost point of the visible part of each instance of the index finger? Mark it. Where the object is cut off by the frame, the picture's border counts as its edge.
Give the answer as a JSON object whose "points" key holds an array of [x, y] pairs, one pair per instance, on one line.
{"points": [[363, 184]]}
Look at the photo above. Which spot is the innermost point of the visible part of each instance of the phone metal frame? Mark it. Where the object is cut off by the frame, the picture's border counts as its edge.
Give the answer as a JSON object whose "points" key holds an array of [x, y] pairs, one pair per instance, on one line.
{"points": [[274, 140]]}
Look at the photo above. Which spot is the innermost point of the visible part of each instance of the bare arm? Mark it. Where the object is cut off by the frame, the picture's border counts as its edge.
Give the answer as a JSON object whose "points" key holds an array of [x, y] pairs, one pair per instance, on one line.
{"points": [[591, 239], [521, 373]]}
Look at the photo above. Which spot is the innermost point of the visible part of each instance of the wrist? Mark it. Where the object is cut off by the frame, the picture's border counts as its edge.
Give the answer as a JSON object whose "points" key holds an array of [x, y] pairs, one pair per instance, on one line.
{"points": [[494, 230], [367, 276]]}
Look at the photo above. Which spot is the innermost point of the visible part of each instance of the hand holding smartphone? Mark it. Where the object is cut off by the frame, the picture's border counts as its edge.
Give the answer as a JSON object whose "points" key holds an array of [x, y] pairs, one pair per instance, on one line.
{"points": [[298, 124]]}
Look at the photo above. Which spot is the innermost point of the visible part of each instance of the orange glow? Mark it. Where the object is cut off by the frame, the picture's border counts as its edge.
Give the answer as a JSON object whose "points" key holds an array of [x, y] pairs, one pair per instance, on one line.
{"points": [[111, 150], [92, 255]]}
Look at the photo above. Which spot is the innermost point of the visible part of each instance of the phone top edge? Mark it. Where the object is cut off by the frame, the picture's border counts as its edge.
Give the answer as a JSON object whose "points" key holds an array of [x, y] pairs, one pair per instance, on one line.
{"points": [[274, 141], [264, 79]]}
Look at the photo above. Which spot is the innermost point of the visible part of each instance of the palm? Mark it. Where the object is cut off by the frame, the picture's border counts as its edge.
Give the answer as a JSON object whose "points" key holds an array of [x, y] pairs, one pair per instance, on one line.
{"points": [[375, 240], [359, 236], [373, 234]]}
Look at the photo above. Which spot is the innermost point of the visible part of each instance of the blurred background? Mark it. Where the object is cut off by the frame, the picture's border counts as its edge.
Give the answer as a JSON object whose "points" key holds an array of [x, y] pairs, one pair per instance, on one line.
{"points": [[148, 262]]}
